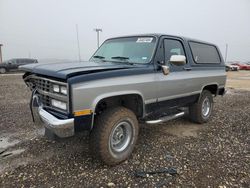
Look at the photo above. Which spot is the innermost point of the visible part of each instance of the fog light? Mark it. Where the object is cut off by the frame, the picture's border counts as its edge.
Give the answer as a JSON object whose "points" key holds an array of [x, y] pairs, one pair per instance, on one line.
{"points": [[59, 104]]}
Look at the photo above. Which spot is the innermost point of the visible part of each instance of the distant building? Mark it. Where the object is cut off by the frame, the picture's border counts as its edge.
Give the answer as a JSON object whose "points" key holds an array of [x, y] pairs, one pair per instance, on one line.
{"points": [[1, 59]]}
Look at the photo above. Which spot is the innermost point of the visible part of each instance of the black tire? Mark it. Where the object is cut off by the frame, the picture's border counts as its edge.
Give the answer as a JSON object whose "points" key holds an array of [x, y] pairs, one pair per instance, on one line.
{"points": [[104, 134], [3, 70], [196, 113]]}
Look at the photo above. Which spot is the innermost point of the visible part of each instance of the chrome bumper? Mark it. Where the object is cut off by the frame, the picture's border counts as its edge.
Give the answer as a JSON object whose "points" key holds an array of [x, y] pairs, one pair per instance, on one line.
{"points": [[61, 127]]}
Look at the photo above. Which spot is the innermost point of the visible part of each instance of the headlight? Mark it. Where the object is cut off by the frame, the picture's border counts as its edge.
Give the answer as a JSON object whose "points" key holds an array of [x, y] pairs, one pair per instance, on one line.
{"points": [[63, 90], [59, 104], [60, 89], [56, 88]]}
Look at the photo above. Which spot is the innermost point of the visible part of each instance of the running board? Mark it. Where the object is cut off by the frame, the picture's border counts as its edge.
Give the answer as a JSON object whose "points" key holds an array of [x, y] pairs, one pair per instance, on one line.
{"points": [[166, 118]]}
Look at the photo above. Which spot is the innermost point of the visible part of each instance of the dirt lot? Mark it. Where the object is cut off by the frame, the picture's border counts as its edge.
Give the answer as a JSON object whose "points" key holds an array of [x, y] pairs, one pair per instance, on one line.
{"points": [[216, 154], [239, 80]]}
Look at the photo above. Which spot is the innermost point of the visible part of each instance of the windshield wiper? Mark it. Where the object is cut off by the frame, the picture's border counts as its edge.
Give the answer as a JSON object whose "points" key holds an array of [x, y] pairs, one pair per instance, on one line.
{"points": [[115, 57], [120, 57], [98, 57]]}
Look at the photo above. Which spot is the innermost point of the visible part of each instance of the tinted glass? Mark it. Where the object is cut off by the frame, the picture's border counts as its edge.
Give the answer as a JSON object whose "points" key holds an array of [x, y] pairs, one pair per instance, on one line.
{"points": [[25, 61], [19, 61], [204, 53], [172, 47], [29, 61], [14, 61], [132, 49], [10, 61]]}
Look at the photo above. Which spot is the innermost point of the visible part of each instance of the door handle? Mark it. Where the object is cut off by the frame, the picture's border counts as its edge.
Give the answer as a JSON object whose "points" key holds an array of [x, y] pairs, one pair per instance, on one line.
{"points": [[187, 68]]}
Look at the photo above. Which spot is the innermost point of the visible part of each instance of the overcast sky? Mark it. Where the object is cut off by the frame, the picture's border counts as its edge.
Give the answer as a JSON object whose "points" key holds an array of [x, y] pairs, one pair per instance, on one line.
{"points": [[46, 28]]}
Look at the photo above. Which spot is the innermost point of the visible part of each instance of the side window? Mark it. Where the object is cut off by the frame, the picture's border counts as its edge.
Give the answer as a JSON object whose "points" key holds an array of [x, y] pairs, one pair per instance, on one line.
{"points": [[11, 62], [204, 53], [14, 61], [172, 47], [28, 61], [18, 61]]}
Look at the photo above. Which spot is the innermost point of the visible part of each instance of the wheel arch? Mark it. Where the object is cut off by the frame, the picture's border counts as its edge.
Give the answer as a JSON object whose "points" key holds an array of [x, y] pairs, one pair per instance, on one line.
{"points": [[6, 69], [132, 100], [212, 87]]}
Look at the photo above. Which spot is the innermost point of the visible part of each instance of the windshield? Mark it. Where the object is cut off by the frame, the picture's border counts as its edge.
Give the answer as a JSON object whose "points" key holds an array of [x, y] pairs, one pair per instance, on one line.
{"points": [[129, 49]]}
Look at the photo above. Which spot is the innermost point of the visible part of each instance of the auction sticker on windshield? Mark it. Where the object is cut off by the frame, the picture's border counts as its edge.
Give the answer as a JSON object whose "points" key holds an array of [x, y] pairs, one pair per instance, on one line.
{"points": [[145, 39]]}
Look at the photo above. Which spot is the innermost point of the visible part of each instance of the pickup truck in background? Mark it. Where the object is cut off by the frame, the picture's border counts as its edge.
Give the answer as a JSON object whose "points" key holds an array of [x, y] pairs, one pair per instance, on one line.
{"points": [[143, 78], [13, 64]]}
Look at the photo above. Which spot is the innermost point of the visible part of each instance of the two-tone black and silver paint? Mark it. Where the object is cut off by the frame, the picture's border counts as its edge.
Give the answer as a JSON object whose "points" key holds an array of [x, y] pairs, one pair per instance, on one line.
{"points": [[91, 82]]}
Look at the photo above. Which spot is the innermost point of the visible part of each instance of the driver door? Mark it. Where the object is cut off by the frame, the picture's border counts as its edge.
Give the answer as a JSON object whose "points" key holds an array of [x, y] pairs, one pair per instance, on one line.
{"points": [[12, 65], [173, 88]]}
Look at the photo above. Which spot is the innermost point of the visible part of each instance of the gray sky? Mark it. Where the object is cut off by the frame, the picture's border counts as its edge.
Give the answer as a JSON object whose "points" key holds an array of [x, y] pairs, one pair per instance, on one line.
{"points": [[46, 28]]}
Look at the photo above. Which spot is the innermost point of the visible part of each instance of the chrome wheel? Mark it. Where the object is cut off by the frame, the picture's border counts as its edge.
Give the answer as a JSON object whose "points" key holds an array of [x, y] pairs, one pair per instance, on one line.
{"points": [[120, 137], [206, 106]]}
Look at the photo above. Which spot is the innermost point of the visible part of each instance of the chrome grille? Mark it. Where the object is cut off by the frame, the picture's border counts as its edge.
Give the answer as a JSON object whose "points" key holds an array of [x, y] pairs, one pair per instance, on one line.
{"points": [[44, 85], [46, 100], [44, 89]]}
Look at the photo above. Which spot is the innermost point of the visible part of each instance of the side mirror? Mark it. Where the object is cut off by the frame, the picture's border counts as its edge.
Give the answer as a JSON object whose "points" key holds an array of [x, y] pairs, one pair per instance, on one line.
{"points": [[165, 69], [178, 60]]}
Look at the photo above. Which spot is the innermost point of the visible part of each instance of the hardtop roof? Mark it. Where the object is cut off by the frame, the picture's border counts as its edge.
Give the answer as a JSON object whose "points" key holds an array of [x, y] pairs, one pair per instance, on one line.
{"points": [[162, 34]]}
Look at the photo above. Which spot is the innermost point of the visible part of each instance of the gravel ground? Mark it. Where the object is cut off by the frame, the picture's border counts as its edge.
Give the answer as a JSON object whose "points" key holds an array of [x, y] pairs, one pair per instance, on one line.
{"points": [[215, 154]]}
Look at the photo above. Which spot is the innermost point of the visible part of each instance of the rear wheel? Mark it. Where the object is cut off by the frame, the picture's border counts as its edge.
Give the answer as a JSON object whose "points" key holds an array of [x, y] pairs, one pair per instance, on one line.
{"points": [[2, 70], [114, 135], [201, 111]]}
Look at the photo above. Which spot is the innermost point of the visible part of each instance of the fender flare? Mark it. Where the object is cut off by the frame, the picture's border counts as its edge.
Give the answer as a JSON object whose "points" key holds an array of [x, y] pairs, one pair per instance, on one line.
{"points": [[114, 94], [208, 84]]}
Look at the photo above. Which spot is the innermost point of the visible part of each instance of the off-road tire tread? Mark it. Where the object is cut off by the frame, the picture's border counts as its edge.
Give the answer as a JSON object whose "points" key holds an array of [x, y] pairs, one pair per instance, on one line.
{"points": [[99, 134], [195, 113]]}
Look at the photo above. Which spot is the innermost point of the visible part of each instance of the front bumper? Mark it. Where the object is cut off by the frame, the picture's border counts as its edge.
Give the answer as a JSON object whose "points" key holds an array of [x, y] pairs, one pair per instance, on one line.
{"points": [[61, 127]]}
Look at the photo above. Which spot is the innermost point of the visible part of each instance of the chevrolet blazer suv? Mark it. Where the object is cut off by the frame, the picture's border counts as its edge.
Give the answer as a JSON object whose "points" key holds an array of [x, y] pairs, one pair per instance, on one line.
{"points": [[144, 78]]}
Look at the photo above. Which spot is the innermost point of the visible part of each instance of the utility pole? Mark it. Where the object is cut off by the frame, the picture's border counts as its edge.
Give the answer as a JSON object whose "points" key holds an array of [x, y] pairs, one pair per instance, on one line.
{"points": [[78, 44], [226, 53], [1, 58], [98, 30]]}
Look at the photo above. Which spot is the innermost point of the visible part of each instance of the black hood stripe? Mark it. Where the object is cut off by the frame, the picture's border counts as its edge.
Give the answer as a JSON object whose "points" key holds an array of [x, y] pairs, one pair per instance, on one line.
{"points": [[110, 74]]}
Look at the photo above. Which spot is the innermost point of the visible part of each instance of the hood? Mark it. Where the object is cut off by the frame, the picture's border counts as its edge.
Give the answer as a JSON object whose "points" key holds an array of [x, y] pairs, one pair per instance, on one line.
{"points": [[66, 70]]}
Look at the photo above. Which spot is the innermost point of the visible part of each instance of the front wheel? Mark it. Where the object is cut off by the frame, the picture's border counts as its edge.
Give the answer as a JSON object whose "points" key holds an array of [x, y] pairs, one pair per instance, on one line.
{"points": [[114, 135], [2, 70], [201, 111]]}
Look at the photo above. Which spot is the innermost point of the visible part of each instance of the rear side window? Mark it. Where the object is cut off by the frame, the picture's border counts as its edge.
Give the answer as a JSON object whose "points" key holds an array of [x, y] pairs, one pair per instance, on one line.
{"points": [[204, 53], [30, 61], [20, 61]]}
